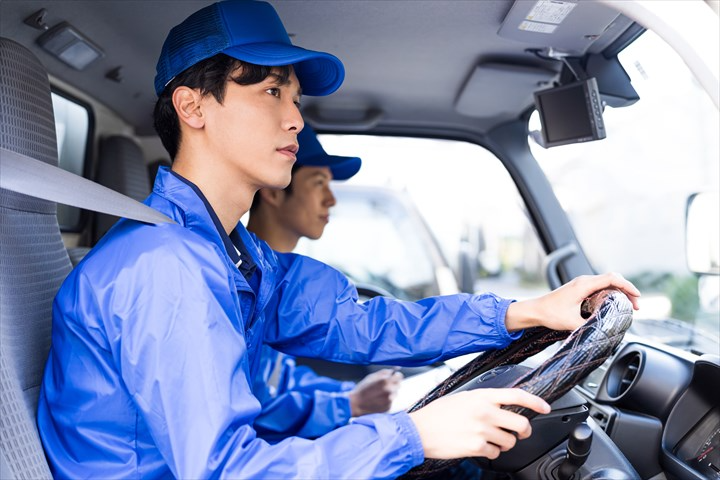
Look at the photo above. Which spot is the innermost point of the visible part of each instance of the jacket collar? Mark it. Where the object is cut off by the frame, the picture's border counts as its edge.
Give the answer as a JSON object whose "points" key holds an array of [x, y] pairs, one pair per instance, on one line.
{"points": [[197, 215]]}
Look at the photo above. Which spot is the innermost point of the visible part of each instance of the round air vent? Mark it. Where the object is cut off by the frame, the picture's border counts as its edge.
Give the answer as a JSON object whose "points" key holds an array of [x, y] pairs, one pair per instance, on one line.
{"points": [[623, 373]]}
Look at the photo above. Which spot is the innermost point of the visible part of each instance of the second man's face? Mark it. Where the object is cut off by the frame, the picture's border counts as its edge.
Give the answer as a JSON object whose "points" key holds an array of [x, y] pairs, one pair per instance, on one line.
{"points": [[306, 210]]}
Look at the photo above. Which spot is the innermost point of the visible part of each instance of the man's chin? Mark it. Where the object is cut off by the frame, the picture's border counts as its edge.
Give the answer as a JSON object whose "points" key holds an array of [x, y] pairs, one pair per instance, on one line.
{"points": [[315, 235], [281, 183]]}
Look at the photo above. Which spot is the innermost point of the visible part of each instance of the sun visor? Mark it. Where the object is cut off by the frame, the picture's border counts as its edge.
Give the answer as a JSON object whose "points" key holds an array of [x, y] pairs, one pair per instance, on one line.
{"points": [[497, 88], [543, 24]]}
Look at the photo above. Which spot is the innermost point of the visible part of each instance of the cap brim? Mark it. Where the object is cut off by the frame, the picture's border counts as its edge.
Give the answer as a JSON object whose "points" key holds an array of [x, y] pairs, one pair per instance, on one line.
{"points": [[342, 168], [319, 73]]}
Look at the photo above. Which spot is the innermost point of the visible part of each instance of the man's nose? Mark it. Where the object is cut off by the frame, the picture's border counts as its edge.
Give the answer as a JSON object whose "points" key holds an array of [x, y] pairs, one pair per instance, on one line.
{"points": [[293, 120], [330, 198]]}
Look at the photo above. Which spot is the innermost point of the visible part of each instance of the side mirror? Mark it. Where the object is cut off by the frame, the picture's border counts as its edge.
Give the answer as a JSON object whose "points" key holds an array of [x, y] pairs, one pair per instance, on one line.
{"points": [[702, 233]]}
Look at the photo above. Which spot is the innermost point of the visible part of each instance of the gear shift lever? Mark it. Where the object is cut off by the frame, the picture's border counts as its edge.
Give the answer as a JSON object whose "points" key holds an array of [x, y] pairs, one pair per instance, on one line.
{"points": [[578, 450]]}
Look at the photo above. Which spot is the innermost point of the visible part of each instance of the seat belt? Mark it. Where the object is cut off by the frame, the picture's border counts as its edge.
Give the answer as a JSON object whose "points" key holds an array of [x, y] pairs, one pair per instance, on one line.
{"points": [[22, 174]]}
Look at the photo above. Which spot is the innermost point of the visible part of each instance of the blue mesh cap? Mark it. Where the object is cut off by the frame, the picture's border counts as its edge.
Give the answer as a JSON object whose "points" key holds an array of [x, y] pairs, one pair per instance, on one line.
{"points": [[312, 154], [250, 31]]}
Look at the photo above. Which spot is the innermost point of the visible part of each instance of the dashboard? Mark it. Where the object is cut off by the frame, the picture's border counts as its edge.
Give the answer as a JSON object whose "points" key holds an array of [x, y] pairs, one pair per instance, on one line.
{"points": [[660, 408]]}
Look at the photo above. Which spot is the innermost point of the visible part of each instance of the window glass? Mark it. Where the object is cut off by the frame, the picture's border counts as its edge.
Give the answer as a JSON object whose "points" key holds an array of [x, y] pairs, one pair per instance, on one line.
{"points": [[423, 208], [626, 195], [72, 124], [376, 238]]}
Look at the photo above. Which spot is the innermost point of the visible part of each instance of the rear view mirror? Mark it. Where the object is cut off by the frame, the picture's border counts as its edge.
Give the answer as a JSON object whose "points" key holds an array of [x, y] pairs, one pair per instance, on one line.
{"points": [[702, 233]]}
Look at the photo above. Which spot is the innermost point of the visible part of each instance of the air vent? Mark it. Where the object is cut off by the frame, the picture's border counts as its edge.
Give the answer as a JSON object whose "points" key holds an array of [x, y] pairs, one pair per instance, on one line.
{"points": [[623, 373], [629, 374]]}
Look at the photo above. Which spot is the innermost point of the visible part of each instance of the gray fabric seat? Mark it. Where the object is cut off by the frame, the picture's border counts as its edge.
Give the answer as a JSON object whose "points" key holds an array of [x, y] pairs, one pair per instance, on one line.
{"points": [[33, 263], [121, 167]]}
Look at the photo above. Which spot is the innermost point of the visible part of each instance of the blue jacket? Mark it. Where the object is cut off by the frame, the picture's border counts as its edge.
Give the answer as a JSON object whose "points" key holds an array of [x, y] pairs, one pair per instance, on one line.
{"points": [[296, 401], [157, 337]]}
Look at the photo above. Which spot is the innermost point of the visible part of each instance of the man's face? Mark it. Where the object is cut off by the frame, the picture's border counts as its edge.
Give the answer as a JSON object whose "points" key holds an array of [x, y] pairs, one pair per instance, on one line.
{"points": [[254, 131], [306, 209]]}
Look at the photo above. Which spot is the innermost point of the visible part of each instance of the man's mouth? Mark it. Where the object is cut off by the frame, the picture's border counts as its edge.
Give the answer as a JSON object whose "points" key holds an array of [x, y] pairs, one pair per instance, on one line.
{"points": [[290, 150]]}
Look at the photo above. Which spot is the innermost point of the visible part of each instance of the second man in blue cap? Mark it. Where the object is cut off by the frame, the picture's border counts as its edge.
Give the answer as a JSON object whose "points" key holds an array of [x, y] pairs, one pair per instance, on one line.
{"points": [[281, 218]]}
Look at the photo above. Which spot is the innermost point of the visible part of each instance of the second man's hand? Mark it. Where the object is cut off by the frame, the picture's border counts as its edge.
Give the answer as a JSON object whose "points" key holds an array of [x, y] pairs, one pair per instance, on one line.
{"points": [[375, 393]]}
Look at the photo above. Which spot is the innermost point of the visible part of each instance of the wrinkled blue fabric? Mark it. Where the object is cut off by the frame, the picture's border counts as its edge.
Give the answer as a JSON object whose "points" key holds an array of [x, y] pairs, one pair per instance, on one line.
{"points": [[299, 402], [157, 337]]}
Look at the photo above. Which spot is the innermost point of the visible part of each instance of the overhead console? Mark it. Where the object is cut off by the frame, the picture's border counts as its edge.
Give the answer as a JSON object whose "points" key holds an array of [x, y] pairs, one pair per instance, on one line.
{"points": [[583, 38]]}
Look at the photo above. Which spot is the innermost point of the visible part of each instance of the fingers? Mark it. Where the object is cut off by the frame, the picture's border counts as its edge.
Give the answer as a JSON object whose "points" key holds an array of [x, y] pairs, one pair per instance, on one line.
{"points": [[626, 287], [376, 392], [474, 424], [516, 396], [502, 439], [593, 283]]}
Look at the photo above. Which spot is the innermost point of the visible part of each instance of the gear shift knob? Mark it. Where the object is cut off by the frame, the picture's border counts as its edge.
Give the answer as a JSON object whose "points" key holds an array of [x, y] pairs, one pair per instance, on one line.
{"points": [[578, 449]]}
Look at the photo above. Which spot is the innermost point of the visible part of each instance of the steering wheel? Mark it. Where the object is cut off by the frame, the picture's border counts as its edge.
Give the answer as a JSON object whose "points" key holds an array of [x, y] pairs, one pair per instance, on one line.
{"points": [[609, 314], [366, 291]]}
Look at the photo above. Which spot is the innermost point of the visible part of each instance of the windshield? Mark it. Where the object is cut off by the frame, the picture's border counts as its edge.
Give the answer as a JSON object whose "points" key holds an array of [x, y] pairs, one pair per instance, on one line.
{"points": [[422, 209], [626, 195]]}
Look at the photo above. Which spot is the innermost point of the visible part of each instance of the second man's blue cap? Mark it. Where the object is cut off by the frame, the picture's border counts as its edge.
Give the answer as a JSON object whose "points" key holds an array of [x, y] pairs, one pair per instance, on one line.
{"points": [[250, 31], [312, 154]]}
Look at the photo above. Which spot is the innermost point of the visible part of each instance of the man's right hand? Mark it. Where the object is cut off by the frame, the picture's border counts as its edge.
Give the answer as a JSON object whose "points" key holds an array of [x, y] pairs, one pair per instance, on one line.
{"points": [[473, 424], [375, 393]]}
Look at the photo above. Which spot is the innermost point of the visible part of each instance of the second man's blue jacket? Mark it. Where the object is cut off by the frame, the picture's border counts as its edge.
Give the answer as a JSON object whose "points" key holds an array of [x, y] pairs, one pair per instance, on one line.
{"points": [[296, 401]]}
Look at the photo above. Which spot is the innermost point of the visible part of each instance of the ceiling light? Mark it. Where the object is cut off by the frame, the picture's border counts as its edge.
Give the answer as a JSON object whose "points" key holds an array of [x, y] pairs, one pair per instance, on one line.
{"points": [[69, 45]]}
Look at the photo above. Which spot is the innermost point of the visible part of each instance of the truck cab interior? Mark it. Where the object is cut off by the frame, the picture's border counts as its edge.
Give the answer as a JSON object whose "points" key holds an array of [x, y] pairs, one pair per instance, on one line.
{"points": [[540, 140]]}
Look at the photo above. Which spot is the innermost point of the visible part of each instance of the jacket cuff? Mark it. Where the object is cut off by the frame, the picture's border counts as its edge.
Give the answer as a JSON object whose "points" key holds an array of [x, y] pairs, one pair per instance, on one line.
{"points": [[500, 327], [408, 430]]}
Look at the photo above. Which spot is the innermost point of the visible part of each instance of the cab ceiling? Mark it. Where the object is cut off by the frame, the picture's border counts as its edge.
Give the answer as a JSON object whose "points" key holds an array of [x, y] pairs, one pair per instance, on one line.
{"points": [[407, 60]]}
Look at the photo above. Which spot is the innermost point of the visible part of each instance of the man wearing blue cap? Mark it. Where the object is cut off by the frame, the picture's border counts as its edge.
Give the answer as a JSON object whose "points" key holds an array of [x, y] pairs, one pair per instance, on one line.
{"points": [[158, 333], [281, 218]]}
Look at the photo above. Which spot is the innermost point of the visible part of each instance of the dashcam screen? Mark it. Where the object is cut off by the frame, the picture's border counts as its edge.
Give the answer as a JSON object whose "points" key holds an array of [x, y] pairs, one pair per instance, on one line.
{"points": [[564, 114]]}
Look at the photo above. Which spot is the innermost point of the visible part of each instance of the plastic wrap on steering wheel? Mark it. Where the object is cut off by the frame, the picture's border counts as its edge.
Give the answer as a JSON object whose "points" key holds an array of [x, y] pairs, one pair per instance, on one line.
{"points": [[609, 315]]}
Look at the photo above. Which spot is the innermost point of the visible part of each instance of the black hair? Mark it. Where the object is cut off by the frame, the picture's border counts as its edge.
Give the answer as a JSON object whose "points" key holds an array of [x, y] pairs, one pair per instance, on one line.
{"points": [[210, 76], [288, 190]]}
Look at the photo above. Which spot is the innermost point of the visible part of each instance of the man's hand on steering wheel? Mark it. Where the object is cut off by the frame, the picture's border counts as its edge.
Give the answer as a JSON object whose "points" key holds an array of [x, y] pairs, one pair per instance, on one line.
{"points": [[473, 424], [560, 309]]}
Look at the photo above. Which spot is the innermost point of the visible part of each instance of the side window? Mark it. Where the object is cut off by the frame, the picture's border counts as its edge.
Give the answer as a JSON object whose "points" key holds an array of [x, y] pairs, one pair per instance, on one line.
{"points": [[421, 210], [72, 126]]}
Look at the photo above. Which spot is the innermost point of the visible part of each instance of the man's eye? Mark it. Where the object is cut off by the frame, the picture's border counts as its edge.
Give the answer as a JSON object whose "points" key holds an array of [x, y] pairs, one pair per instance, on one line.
{"points": [[297, 104], [274, 91]]}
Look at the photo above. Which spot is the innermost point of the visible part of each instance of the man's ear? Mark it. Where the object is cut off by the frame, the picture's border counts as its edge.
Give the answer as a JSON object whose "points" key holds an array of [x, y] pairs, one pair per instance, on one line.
{"points": [[272, 196], [187, 103]]}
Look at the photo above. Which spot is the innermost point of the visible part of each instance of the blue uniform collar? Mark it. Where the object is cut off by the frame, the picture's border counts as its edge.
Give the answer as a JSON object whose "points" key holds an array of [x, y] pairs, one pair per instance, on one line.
{"points": [[234, 246], [196, 215]]}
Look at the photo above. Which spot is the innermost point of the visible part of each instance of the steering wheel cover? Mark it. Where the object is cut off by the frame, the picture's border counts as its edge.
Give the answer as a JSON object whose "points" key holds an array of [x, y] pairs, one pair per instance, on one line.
{"points": [[610, 315]]}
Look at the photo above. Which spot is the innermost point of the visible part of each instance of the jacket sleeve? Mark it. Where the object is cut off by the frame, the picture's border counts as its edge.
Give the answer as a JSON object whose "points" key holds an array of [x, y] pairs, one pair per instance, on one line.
{"points": [[180, 347], [316, 314], [303, 404]]}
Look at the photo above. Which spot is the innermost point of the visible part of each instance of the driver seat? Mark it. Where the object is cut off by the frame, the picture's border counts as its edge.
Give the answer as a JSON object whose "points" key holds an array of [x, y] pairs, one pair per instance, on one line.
{"points": [[33, 263]]}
